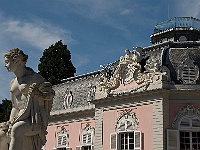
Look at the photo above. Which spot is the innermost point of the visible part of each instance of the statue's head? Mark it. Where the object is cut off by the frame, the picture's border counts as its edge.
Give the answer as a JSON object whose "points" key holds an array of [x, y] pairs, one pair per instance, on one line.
{"points": [[17, 56]]}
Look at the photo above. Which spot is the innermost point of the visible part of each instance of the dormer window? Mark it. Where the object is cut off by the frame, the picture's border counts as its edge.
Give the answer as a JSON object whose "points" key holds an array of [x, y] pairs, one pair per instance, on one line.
{"points": [[188, 72]]}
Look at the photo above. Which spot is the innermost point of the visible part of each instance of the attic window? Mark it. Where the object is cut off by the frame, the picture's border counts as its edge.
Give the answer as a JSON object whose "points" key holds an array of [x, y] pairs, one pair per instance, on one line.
{"points": [[188, 72]]}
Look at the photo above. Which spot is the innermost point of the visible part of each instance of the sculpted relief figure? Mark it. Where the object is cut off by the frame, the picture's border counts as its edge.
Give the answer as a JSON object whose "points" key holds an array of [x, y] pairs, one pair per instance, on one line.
{"points": [[125, 72], [68, 98], [32, 98]]}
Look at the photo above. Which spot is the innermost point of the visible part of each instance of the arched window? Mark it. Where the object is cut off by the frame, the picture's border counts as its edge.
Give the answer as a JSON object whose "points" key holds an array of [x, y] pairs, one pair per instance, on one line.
{"points": [[126, 136], [186, 130], [63, 140], [87, 138]]}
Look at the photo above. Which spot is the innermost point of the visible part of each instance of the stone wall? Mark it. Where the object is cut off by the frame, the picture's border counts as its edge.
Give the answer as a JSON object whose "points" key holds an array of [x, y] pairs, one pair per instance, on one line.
{"points": [[81, 89]]}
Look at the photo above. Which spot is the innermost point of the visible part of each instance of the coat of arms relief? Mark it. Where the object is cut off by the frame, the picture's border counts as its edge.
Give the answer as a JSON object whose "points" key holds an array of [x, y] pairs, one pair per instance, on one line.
{"points": [[126, 75]]}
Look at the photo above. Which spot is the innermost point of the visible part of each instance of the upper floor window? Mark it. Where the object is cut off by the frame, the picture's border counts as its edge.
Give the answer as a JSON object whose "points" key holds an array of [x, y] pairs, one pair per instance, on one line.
{"points": [[126, 136], [185, 134], [62, 140], [87, 138]]}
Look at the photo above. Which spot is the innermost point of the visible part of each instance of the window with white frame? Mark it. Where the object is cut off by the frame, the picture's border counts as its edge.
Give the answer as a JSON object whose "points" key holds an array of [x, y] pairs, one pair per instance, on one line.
{"points": [[185, 134], [126, 136], [63, 140], [87, 138]]}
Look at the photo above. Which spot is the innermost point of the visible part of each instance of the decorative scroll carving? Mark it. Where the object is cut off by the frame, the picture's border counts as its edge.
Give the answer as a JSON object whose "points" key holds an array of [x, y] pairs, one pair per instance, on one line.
{"points": [[91, 94], [188, 111], [126, 71], [127, 76], [127, 121], [62, 131]]}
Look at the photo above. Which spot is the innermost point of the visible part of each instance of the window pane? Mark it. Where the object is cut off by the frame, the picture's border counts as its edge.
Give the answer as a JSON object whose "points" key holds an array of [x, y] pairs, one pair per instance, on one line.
{"points": [[126, 146], [131, 146], [195, 140], [190, 139], [127, 141], [184, 140], [122, 139], [61, 148], [86, 148]]}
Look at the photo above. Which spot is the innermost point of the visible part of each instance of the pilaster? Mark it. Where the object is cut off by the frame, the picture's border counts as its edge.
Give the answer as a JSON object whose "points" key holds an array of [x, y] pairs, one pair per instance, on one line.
{"points": [[98, 129], [158, 125]]}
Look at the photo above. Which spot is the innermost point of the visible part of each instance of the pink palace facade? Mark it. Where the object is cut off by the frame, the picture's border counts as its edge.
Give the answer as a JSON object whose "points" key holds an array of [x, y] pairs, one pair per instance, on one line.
{"points": [[149, 99]]}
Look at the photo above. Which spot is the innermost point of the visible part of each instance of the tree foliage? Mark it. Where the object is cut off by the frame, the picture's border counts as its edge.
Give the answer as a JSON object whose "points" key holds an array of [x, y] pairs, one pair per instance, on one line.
{"points": [[5, 109], [55, 64]]}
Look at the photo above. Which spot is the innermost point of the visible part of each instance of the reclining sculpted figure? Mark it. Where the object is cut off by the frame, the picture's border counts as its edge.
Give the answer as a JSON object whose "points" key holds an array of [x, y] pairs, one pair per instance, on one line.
{"points": [[31, 98]]}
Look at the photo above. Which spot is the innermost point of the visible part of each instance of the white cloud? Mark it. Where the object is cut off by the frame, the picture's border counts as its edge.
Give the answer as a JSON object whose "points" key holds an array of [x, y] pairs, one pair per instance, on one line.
{"points": [[80, 60], [102, 11], [94, 9], [36, 35], [125, 12]]}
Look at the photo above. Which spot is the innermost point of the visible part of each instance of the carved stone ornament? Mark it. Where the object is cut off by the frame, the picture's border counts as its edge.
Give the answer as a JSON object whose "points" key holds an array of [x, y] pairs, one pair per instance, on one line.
{"points": [[62, 131], [91, 94], [185, 112], [128, 78], [87, 128], [125, 72], [68, 99], [127, 121]]}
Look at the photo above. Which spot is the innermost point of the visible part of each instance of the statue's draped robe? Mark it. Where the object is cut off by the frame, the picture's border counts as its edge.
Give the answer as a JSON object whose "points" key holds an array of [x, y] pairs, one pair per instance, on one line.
{"points": [[38, 105]]}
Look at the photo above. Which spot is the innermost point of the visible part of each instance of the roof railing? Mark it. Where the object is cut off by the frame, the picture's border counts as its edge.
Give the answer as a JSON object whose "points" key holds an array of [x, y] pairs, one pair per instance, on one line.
{"points": [[178, 22]]}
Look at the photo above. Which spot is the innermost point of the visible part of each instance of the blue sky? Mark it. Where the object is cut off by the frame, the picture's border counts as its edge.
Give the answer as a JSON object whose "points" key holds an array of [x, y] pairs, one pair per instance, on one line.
{"points": [[96, 31]]}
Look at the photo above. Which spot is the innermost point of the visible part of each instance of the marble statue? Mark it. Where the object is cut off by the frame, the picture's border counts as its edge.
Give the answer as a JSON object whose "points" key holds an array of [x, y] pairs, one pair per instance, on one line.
{"points": [[68, 98], [31, 98]]}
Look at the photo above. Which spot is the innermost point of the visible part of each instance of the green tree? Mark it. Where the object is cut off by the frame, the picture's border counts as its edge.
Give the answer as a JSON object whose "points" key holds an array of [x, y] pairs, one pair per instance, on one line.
{"points": [[55, 64], [5, 109]]}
